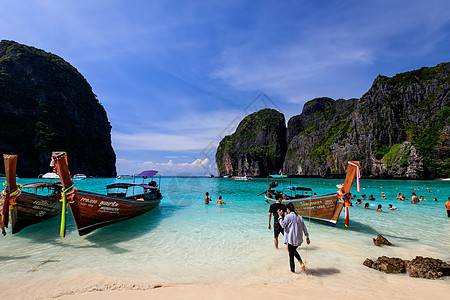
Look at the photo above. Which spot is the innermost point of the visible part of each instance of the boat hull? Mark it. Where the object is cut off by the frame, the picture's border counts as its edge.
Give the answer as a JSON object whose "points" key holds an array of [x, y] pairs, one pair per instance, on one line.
{"points": [[324, 209], [92, 211], [31, 209]]}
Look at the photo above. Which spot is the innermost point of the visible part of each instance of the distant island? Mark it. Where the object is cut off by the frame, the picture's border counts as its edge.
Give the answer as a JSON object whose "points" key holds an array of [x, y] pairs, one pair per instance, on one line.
{"points": [[47, 105], [400, 129]]}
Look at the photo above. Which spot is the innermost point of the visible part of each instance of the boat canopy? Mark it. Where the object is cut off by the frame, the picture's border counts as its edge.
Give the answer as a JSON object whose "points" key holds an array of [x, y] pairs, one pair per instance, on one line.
{"points": [[298, 188], [126, 185], [148, 173], [277, 176], [39, 185]]}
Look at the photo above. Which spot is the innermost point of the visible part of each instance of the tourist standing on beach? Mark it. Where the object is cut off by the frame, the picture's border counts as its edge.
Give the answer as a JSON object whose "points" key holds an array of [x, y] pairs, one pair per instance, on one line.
{"points": [[447, 205], [277, 229], [294, 228], [207, 199], [2, 226]]}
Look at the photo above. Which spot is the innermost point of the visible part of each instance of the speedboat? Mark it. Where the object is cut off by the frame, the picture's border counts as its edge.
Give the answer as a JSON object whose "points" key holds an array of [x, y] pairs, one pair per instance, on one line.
{"points": [[79, 177], [243, 178]]}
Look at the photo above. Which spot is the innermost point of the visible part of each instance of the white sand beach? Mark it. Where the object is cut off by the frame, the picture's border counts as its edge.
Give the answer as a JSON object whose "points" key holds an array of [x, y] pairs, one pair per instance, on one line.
{"points": [[376, 286]]}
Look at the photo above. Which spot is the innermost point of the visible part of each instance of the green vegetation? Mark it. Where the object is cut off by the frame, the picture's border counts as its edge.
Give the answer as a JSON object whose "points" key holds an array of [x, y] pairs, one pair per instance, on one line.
{"points": [[415, 76], [260, 137], [426, 139], [340, 127], [380, 150]]}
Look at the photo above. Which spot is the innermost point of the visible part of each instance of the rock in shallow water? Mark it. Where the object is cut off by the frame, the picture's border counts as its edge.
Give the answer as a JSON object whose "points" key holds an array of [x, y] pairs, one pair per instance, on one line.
{"points": [[387, 264], [381, 240], [429, 268]]}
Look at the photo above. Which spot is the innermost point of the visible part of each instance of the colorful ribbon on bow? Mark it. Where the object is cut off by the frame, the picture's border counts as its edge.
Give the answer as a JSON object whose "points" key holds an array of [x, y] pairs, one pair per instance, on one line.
{"points": [[66, 194], [345, 201], [9, 202]]}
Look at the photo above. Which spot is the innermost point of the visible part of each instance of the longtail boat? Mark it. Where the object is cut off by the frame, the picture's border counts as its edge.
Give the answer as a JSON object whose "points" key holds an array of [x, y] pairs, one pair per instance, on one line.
{"points": [[28, 204], [92, 210], [325, 208]]}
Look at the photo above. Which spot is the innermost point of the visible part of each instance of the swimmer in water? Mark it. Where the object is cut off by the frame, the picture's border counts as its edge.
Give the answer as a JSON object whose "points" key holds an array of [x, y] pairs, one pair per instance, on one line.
{"points": [[220, 201], [207, 199]]}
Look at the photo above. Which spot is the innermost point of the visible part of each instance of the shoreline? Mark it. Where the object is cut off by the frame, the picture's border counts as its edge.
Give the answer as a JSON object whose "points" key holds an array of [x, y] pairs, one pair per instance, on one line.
{"points": [[381, 286]]}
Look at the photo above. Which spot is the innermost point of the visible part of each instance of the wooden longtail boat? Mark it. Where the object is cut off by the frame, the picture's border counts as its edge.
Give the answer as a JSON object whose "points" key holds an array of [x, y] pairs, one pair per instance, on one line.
{"points": [[91, 210], [29, 204], [325, 208]]}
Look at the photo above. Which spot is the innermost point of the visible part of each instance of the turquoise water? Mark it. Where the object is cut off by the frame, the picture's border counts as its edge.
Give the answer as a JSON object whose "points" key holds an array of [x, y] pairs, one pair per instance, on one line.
{"points": [[185, 241]]}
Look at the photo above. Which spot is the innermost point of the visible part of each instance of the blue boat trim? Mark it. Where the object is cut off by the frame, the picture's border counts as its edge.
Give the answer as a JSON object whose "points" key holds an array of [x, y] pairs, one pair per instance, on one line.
{"points": [[39, 196], [114, 198]]}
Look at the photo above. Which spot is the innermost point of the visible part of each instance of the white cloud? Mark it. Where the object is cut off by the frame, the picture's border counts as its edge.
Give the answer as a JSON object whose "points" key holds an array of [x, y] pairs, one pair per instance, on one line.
{"points": [[169, 168]]}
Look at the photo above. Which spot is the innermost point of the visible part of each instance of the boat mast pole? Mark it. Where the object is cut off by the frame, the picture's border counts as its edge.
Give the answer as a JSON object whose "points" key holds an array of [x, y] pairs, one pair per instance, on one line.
{"points": [[10, 193], [60, 159], [10, 171], [350, 177]]}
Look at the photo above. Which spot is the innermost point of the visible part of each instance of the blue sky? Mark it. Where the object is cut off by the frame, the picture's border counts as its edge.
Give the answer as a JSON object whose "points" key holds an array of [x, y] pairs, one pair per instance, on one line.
{"points": [[176, 76]]}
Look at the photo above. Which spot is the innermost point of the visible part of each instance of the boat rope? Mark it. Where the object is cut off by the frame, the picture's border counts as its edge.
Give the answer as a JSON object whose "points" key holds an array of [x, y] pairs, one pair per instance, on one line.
{"points": [[66, 198], [50, 259], [309, 232]]}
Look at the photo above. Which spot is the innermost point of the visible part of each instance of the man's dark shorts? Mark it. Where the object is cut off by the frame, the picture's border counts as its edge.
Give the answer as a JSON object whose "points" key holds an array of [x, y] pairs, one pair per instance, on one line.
{"points": [[277, 229]]}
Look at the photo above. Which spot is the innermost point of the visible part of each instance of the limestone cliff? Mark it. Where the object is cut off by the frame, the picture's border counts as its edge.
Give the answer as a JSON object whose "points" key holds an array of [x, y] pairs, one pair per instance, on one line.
{"points": [[398, 129], [47, 105], [257, 148]]}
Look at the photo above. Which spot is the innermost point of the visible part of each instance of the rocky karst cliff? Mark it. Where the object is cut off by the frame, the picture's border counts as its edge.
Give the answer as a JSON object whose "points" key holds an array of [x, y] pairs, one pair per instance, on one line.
{"points": [[47, 105], [399, 129], [257, 148]]}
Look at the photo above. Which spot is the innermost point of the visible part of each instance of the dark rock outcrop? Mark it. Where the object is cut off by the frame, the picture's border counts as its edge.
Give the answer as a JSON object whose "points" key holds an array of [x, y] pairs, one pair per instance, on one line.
{"points": [[426, 267], [257, 148], [47, 105], [381, 241], [429, 268], [387, 264]]}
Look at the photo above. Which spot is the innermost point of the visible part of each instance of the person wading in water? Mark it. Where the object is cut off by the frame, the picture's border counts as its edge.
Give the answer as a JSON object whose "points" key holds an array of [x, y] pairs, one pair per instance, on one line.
{"points": [[294, 228]]}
